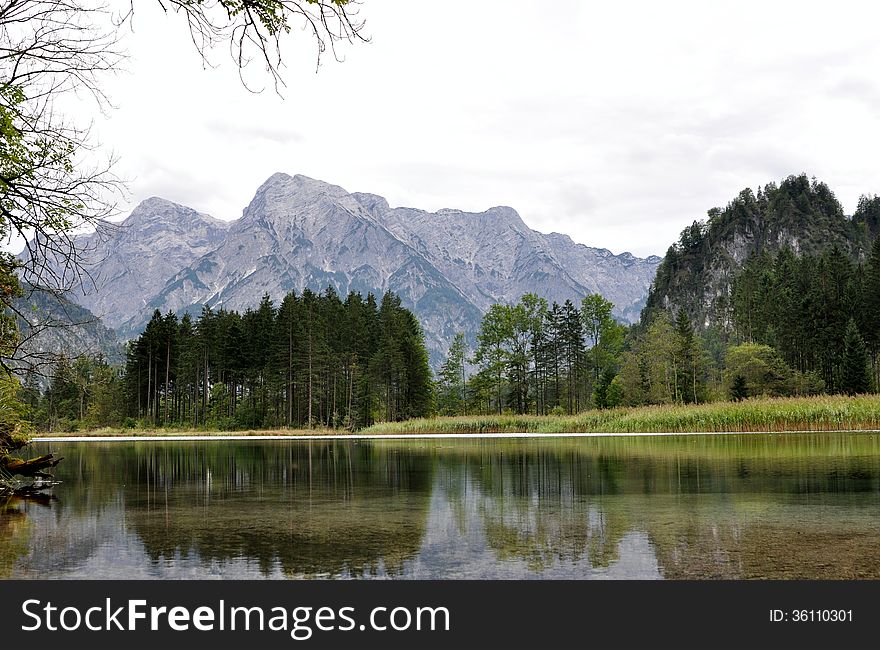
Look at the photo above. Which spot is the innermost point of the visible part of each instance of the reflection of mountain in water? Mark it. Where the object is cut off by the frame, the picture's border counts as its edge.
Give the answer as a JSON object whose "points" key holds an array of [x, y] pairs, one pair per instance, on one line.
{"points": [[535, 506], [475, 533], [677, 507]]}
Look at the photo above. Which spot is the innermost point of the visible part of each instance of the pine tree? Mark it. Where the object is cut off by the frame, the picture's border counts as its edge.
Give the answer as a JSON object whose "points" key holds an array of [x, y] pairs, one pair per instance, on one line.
{"points": [[452, 379], [600, 392], [870, 308], [573, 347], [685, 361], [417, 393], [738, 389], [535, 312], [553, 357], [854, 372], [313, 361]]}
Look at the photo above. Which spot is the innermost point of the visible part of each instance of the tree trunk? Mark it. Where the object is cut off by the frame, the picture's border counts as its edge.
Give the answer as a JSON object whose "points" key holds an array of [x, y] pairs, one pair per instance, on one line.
{"points": [[167, 369], [31, 468], [149, 386], [310, 381]]}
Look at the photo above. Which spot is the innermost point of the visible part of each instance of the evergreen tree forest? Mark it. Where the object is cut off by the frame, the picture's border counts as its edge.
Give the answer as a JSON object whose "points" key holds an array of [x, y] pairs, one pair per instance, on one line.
{"points": [[799, 325], [818, 311], [315, 360]]}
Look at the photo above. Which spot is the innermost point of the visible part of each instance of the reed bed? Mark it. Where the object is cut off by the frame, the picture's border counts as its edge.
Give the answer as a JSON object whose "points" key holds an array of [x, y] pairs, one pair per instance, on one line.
{"points": [[820, 413]]}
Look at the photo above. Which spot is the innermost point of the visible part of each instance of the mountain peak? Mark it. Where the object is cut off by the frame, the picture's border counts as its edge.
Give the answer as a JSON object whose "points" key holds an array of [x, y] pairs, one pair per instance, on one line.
{"points": [[155, 205], [373, 203], [156, 210], [284, 199], [298, 182], [508, 215]]}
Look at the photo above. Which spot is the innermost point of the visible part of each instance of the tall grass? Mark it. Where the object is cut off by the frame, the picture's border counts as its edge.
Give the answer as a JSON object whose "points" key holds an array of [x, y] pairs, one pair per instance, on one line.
{"points": [[822, 413]]}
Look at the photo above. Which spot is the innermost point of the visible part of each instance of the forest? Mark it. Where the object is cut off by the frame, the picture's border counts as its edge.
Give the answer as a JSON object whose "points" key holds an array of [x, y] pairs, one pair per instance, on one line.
{"points": [[800, 325], [315, 360]]}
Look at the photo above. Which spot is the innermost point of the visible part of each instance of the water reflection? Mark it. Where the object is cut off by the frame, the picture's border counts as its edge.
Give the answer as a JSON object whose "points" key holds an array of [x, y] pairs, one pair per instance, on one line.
{"points": [[774, 506]]}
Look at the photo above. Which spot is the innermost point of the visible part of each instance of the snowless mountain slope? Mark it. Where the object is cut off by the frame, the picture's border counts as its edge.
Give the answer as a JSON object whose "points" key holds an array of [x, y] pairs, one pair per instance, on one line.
{"points": [[298, 232]]}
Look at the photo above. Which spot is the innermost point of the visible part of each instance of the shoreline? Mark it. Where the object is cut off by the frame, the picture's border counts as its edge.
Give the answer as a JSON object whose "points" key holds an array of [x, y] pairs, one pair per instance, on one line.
{"points": [[423, 436]]}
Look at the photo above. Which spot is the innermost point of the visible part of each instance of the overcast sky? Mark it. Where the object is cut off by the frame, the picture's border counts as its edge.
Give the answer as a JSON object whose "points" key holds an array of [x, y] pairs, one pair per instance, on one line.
{"points": [[617, 123]]}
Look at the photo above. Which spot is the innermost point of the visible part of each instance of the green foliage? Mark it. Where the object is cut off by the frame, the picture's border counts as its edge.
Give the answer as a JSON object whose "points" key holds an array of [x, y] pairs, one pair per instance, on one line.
{"points": [[273, 15], [452, 380], [866, 219], [739, 389], [854, 372], [604, 335], [10, 289], [689, 378], [602, 397], [14, 429], [801, 305], [536, 357], [28, 158], [758, 369], [315, 360], [84, 392]]}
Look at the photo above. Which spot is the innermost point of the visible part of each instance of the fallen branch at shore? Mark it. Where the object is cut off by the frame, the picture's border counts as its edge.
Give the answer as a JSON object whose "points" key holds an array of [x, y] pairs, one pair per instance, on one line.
{"points": [[32, 468]]}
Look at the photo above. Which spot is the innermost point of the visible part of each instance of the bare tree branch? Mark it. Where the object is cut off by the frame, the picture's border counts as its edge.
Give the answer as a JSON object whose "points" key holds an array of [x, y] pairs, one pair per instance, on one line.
{"points": [[255, 29]]}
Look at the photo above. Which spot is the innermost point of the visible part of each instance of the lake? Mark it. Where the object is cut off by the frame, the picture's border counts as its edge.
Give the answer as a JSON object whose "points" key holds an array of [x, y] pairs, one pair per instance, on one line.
{"points": [[648, 507]]}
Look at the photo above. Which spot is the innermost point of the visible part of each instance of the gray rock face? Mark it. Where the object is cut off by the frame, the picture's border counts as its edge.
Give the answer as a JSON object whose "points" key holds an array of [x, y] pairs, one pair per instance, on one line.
{"points": [[51, 325], [448, 267], [130, 262], [494, 257]]}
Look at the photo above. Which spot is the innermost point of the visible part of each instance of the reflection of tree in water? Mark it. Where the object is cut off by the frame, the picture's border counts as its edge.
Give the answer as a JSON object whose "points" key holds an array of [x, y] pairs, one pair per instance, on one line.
{"points": [[312, 509], [16, 528], [802, 512]]}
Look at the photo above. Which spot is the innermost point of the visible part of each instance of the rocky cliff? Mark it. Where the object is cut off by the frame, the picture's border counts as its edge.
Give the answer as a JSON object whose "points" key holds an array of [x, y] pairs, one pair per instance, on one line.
{"points": [[800, 214]]}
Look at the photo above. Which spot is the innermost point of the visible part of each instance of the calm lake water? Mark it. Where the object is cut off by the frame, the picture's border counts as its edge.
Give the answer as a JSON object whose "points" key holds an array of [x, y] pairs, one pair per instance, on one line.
{"points": [[755, 506]]}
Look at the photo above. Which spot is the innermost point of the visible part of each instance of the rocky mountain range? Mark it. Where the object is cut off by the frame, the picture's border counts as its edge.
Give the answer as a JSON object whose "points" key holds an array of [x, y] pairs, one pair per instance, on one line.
{"points": [[297, 232], [52, 325]]}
